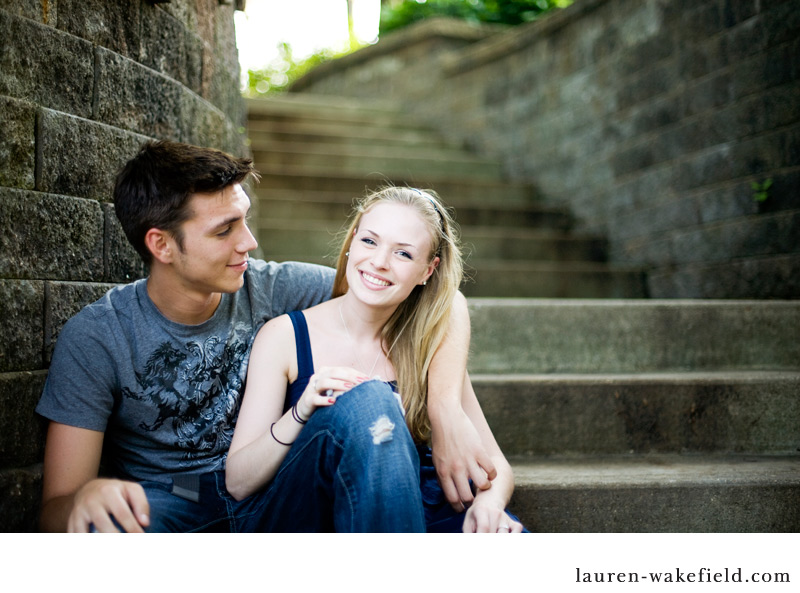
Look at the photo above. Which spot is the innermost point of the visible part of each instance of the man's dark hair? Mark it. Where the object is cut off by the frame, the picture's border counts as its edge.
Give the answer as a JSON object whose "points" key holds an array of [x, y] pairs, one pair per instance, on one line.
{"points": [[153, 188]]}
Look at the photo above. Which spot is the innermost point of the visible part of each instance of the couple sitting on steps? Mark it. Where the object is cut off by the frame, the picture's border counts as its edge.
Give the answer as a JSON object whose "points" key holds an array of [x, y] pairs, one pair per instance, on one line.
{"points": [[223, 393]]}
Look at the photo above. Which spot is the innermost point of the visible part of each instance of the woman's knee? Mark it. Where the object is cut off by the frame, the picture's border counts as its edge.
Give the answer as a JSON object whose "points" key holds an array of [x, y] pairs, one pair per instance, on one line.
{"points": [[371, 405], [371, 400]]}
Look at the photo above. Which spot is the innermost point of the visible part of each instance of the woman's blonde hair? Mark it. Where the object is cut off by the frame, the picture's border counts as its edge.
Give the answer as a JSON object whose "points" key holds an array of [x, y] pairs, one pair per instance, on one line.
{"points": [[414, 331]]}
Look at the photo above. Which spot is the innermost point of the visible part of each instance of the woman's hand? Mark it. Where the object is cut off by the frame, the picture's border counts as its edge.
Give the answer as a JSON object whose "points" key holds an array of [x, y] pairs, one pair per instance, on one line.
{"points": [[325, 386], [489, 518]]}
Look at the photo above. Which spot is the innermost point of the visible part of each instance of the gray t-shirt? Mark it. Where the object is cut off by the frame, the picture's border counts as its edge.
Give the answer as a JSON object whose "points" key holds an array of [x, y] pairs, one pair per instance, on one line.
{"points": [[165, 394]]}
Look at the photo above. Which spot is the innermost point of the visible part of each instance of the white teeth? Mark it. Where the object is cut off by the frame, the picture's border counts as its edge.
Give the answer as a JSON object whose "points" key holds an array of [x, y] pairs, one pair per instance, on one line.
{"points": [[374, 280]]}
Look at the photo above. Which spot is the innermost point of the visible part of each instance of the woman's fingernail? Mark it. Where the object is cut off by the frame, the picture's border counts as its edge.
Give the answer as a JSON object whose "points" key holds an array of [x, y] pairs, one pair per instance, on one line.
{"points": [[331, 400], [349, 385]]}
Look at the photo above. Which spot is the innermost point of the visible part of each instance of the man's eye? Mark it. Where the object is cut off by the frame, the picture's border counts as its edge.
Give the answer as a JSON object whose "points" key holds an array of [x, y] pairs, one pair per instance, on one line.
{"points": [[224, 233]]}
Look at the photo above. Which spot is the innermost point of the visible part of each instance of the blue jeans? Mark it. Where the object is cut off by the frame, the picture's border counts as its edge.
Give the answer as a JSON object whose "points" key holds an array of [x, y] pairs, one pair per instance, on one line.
{"points": [[353, 468]]}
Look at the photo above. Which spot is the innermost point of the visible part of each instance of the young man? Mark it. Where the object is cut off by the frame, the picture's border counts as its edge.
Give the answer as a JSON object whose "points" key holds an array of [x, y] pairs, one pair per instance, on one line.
{"points": [[148, 380]]}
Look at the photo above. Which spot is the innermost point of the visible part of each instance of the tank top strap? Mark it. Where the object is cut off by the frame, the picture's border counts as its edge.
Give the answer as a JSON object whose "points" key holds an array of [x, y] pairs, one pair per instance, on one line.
{"points": [[305, 361]]}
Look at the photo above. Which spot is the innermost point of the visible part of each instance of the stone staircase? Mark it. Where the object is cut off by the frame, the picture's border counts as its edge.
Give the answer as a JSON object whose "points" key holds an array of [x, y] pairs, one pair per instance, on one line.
{"points": [[317, 154], [619, 414], [644, 416]]}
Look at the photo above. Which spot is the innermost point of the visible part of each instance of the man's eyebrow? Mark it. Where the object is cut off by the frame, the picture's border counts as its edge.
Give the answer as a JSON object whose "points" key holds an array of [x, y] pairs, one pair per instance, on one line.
{"points": [[226, 222]]}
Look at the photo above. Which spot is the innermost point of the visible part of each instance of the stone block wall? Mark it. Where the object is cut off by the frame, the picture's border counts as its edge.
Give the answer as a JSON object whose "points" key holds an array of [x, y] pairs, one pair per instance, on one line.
{"points": [[83, 83], [649, 119]]}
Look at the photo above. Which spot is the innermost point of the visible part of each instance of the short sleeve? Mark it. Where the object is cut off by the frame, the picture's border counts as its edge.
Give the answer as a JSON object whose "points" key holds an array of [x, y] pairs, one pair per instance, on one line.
{"points": [[293, 286], [79, 390]]}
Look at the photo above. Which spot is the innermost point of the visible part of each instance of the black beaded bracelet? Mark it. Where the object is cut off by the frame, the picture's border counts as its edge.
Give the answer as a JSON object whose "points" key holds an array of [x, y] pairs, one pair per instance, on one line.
{"points": [[271, 426], [296, 415]]}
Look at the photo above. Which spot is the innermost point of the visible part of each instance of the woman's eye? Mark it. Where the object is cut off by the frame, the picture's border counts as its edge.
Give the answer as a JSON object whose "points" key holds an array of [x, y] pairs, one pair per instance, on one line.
{"points": [[404, 254], [367, 241]]}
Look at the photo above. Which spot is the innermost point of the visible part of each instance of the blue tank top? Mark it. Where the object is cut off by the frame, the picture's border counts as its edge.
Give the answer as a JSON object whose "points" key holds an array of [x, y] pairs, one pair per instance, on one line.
{"points": [[305, 362]]}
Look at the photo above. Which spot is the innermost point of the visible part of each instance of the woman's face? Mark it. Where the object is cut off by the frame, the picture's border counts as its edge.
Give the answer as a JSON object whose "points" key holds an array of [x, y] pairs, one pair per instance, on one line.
{"points": [[390, 254]]}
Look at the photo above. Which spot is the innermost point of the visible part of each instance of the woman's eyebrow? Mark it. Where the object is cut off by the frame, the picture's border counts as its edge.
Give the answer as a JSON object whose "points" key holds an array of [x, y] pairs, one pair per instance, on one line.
{"points": [[378, 236]]}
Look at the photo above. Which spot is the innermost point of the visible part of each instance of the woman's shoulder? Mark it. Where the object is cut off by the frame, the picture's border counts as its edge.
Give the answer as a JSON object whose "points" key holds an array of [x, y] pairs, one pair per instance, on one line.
{"points": [[277, 328]]}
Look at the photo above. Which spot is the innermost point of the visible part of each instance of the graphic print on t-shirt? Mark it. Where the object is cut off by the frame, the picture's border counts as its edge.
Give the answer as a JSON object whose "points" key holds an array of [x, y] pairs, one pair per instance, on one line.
{"points": [[193, 391]]}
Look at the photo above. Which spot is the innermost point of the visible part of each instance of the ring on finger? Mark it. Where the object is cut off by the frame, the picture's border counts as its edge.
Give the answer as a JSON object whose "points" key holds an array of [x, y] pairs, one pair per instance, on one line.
{"points": [[328, 392], [504, 527]]}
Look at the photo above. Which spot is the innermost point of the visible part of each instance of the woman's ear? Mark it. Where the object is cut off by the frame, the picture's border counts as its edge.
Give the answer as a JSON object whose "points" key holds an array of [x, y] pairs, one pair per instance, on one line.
{"points": [[160, 244], [429, 270]]}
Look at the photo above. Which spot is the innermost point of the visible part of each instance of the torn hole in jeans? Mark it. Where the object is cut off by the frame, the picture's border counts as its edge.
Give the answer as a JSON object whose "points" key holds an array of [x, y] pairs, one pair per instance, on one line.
{"points": [[382, 430]]}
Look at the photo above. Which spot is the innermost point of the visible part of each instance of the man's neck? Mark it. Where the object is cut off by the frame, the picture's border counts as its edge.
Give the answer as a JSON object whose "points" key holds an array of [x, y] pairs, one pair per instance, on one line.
{"points": [[178, 304]]}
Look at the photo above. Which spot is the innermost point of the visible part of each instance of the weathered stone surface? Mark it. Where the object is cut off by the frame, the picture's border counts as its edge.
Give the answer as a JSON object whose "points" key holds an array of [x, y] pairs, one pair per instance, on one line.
{"points": [[659, 494], [628, 336], [63, 300], [22, 432], [63, 66], [123, 264], [101, 150], [50, 236], [17, 144], [20, 499], [37, 10], [21, 308], [221, 67], [136, 98], [731, 412], [169, 48], [107, 24], [209, 125], [747, 278]]}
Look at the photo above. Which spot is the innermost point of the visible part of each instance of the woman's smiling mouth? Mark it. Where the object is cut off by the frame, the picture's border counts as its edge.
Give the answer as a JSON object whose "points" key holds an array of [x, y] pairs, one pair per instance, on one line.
{"points": [[374, 280]]}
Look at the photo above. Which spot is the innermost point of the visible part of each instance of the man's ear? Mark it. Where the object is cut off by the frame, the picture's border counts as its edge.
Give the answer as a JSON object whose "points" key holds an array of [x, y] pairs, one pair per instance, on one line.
{"points": [[161, 245]]}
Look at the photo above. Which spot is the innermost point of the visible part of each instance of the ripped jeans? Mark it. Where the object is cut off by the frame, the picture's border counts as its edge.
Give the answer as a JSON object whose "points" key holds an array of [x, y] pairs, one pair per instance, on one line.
{"points": [[353, 468]]}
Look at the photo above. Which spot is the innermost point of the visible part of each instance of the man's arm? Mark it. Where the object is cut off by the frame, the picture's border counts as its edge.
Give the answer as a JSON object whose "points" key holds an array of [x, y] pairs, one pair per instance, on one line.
{"points": [[74, 498], [458, 451]]}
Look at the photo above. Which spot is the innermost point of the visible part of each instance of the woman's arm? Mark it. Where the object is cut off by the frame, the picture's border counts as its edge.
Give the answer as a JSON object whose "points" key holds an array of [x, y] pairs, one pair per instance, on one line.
{"points": [[263, 432], [487, 512], [459, 453], [254, 455]]}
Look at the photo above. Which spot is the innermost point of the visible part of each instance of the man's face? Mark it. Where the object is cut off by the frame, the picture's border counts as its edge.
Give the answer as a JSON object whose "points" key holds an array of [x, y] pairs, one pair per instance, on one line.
{"points": [[216, 242]]}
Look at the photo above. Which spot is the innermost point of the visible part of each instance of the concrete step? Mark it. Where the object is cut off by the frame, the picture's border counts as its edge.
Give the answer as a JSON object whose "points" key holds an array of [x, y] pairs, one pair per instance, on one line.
{"points": [[589, 414], [307, 238], [266, 133], [632, 336], [519, 243], [453, 190], [328, 108], [552, 280], [318, 160], [335, 206], [664, 493]]}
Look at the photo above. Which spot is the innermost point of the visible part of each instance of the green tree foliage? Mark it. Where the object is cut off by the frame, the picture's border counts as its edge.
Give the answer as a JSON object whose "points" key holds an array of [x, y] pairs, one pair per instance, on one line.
{"points": [[509, 12], [283, 70]]}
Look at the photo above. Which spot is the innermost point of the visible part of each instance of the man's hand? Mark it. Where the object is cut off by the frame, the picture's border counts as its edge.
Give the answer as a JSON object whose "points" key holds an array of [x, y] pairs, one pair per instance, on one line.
{"points": [[97, 501], [458, 456]]}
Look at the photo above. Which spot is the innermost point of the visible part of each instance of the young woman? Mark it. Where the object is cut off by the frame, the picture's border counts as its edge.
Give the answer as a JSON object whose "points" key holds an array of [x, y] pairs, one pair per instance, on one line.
{"points": [[398, 270]]}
